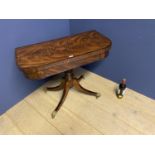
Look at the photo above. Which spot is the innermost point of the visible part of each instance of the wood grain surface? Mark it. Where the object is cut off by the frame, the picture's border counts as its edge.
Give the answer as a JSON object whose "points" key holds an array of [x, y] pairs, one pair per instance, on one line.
{"points": [[48, 58], [133, 114]]}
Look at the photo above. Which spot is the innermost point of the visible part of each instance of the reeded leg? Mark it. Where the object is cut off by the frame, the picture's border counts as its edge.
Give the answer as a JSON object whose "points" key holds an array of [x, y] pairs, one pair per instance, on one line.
{"points": [[86, 91], [59, 87], [65, 92]]}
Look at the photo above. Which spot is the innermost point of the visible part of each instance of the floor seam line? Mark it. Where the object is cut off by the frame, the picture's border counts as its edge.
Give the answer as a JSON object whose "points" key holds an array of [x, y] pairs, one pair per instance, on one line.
{"points": [[43, 116]]}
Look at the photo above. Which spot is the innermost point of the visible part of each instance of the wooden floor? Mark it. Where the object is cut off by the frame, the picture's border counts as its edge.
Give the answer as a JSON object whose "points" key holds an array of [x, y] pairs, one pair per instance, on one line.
{"points": [[81, 114]]}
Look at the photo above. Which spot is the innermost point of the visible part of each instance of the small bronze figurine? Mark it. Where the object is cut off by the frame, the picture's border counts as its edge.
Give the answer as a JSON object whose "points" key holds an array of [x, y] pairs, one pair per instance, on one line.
{"points": [[121, 89]]}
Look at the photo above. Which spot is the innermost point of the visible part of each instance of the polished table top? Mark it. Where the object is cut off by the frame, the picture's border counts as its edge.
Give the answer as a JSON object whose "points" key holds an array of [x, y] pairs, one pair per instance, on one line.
{"points": [[48, 58]]}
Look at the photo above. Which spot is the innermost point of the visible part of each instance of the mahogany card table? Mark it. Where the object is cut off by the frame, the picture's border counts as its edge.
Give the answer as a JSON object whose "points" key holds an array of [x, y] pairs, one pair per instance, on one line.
{"points": [[41, 60]]}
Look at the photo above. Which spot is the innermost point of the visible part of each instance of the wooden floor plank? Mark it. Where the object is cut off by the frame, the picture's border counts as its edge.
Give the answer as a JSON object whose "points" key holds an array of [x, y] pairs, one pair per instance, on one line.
{"points": [[87, 111], [7, 127], [29, 121], [81, 114], [133, 98], [129, 115], [130, 109], [97, 117], [66, 122]]}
